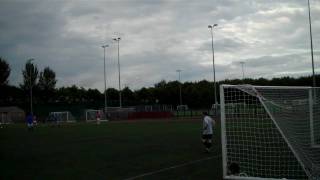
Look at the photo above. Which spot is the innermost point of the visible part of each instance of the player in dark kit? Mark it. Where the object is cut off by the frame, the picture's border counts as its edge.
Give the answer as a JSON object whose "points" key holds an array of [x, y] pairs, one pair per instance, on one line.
{"points": [[29, 120]]}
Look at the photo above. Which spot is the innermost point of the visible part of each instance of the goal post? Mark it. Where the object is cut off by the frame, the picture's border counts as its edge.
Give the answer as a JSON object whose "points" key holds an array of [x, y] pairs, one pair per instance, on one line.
{"points": [[95, 115], [314, 106], [61, 116], [183, 107], [270, 132]]}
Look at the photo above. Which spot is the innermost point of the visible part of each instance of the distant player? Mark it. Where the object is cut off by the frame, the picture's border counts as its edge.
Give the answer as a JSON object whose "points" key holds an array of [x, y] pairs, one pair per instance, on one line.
{"points": [[98, 116], [35, 123], [207, 131], [29, 120], [56, 120], [53, 120]]}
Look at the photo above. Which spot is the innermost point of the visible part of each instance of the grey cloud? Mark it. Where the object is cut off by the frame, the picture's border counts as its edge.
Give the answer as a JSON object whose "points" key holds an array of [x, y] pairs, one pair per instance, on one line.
{"points": [[158, 37], [275, 66], [225, 45]]}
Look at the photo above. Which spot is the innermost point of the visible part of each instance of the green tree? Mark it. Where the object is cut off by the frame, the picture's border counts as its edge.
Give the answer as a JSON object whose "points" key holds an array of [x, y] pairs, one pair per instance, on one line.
{"points": [[94, 95], [128, 96], [4, 71], [113, 97], [47, 79], [161, 84], [141, 95], [30, 75]]}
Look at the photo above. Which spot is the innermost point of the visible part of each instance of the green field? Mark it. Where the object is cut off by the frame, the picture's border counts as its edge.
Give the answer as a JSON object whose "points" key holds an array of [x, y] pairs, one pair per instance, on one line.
{"points": [[113, 150]]}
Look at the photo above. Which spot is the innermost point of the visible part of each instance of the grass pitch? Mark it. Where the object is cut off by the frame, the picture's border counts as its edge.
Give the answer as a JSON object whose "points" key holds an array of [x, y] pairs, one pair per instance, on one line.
{"points": [[114, 150]]}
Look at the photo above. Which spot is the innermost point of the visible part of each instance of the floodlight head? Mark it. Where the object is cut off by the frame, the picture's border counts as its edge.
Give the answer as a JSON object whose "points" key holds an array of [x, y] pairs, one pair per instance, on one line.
{"points": [[209, 26], [215, 25], [104, 46]]}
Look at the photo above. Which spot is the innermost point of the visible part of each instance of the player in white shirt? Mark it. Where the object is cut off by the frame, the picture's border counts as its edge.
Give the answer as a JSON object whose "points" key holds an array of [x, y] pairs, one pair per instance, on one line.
{"points": [[207, 131]]}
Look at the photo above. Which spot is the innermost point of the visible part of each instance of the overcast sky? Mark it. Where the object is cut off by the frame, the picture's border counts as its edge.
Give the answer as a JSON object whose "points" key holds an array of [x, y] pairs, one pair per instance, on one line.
{"points": [[157, 38]]}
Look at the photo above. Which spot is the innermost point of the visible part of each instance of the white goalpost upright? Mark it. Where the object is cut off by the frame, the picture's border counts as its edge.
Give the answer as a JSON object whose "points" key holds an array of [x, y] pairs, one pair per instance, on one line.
{"points": [[314, 103], [270, 132]]}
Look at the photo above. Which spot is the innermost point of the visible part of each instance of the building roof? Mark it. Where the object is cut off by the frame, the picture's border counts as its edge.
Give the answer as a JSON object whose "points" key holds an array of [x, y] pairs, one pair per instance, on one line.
{"points": [[11, 109]]}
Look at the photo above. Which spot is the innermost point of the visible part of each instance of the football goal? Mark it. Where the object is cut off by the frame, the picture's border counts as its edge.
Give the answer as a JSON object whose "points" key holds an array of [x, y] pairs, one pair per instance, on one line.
{"points": [[270, 132], [95, 115], [5, 118], [61, 116], [182, 108]]}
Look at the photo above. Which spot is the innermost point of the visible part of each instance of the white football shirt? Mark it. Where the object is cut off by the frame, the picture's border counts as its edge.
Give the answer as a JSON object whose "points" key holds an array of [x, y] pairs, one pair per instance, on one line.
{"points": [[207, 125]]}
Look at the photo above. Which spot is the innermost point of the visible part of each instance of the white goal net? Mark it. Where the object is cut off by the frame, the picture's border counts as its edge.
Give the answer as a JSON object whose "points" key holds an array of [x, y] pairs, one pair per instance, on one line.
{"points": [[182, 108], [61, 116], [94, 115], [270, 132]]}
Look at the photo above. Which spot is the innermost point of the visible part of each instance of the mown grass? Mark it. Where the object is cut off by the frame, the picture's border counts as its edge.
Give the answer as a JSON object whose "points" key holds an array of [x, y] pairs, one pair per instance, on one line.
{"points": [[113, 150]]}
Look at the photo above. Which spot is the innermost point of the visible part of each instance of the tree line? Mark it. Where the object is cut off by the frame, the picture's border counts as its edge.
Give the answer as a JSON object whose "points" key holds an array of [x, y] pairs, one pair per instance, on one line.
{"points": [[197, 94]]}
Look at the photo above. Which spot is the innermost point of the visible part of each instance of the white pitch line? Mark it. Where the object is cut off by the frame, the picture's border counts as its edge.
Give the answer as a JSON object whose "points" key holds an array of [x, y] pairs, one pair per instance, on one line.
{"points": [[172, 167]]}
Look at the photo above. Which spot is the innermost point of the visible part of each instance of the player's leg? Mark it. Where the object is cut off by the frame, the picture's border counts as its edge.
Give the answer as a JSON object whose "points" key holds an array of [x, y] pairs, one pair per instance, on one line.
{"points": [[209, 142], [206, 142], [30, 128]]}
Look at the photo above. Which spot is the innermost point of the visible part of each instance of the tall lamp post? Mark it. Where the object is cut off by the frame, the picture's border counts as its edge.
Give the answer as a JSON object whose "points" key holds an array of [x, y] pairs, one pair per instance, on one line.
{"points": [[311, 46], [104, 73], [242, 63], [213, 65], [120, 100], [31, 85], [179, 71]]}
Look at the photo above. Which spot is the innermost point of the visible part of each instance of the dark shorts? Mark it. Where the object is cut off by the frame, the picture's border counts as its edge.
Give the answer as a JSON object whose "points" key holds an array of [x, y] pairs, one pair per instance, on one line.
{"points": [[206, 136]]}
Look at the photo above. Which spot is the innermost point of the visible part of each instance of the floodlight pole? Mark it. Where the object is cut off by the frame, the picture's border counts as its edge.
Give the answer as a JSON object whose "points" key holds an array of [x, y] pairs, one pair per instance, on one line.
{"points": [[242, 63], [30, 84], [105, 83], [213, 65], [120, 100], [179, 71], [311, 44]]}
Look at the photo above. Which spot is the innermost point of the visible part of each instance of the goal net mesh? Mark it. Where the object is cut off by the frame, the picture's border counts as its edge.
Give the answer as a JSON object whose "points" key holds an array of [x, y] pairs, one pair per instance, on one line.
{"points": [[271, 132], [62, 116], [93, 115]]}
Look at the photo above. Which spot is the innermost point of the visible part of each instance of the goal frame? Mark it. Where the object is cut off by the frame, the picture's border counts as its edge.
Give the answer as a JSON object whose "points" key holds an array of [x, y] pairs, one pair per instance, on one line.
{"points": [[68, 115], [5, 118], [95, 110], [311, 103], [182, 107], [223, 128]]}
